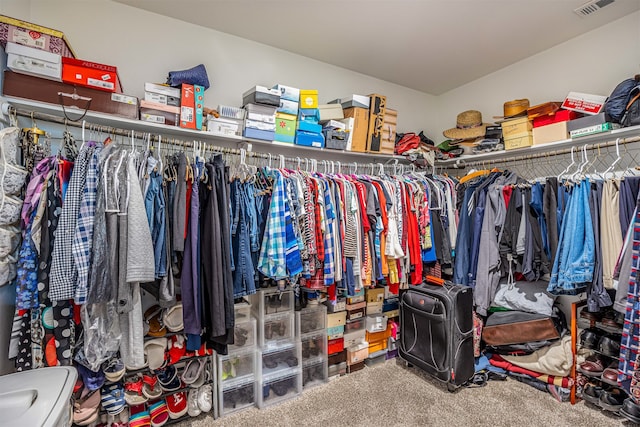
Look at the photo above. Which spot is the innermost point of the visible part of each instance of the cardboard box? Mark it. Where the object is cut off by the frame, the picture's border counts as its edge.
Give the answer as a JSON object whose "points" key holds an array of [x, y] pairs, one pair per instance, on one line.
{"points": [[374, 308], [308, 98], [391, 313], [309, 139], [584, 103], [355, 367], [335, 332], [34, 62], [558, 116], [388, 143], [335, 346], [586, 121], [309, 115], [353, 101], [603, 127], [159, 98], [288, 107], [339, 357], [224, 126], [265, 135], [516, 127], [32, 35], [375, 294], [340, 304], [360, 128], [309, 126], [356, 306], [336, 370], [163, 89], [199, 94], [90, 74], [43, 90], [348, 128], [188, 107], [550, 133], [262, 113], [519, 141], [231, 112], [285, 127], [256, 124], [261, 95], [330, 112], [376, 122], [334, 125], [287, 92], [356, 314], [357, 353], [336, 319], [159, 116]]}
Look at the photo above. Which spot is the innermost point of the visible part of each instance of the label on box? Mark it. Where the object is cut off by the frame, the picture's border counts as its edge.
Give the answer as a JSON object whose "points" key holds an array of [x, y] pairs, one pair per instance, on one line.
{"points": [[602, 127], [29, 38], [152, 118], [125, 99], [584, 103], [100, 83], [186, 114]]}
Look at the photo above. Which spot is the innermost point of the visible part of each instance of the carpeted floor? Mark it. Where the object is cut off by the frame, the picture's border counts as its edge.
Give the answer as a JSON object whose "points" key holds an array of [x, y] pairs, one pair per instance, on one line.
{"points": [[393, 395]]}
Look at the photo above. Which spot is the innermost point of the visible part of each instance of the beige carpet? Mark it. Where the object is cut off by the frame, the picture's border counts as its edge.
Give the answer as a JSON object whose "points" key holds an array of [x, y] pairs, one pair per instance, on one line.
{"points": [[392, 395]]}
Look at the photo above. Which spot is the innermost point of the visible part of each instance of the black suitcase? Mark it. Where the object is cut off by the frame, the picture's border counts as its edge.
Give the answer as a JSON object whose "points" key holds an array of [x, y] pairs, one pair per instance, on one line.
{"points": [[436, 331]]}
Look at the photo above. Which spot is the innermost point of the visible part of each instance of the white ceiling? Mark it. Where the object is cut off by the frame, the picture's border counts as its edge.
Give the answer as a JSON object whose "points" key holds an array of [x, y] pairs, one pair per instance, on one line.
{"points": [[429, 45]]}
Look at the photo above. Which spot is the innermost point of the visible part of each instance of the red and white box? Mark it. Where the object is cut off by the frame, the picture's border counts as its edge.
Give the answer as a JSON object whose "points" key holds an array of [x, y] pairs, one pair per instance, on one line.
{"points": [[90, 74], [584, 103]]}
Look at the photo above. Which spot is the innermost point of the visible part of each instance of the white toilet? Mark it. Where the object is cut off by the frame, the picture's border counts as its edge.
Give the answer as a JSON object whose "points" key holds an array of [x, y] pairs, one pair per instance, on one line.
{"points": [[37, 398]]}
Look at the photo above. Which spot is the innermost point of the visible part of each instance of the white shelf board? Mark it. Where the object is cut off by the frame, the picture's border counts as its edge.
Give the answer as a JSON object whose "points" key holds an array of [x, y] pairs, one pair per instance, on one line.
{"points": [[550, 147], [257, 145]]}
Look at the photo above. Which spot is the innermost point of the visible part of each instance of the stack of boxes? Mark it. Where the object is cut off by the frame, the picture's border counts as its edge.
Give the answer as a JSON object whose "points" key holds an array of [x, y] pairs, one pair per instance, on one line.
{"points": [[391, 310], [553, 127], [356, 113], [333, 129], [337, 354], [377, 336], [312, 329], [229, 122], [356, 314], [279, 356], [309, 133], [517, 133], [237, 379], [287, 113], [161, 104], [261, 104]]}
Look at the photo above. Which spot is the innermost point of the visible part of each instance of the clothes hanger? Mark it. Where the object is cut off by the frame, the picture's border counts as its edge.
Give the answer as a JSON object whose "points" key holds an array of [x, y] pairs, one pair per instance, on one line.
{"points": [[573, 162], [615, 162]]}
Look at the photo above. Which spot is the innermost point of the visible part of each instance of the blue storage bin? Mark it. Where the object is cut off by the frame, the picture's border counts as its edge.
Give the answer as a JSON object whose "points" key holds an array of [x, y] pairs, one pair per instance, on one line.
{"points": [[309, 139], [309, 126]]}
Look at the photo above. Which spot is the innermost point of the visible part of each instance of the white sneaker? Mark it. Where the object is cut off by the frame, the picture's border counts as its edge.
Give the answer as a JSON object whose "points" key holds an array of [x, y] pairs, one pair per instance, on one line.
{"points": [[192, 403], [205, 398]]}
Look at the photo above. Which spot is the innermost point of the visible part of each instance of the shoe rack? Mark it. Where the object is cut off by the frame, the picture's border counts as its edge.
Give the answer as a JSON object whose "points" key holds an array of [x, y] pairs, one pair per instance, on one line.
{"points": [[599, 337], [312, 329]]}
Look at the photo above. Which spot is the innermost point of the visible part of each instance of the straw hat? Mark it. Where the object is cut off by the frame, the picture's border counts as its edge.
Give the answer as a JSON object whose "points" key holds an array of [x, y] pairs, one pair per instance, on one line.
{"points": [[515, 108], [469, 125]]}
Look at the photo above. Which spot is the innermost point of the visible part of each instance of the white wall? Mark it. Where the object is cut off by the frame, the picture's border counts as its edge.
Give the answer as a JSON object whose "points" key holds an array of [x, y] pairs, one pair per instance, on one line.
{"points": [[145, 46], [594, 62]]}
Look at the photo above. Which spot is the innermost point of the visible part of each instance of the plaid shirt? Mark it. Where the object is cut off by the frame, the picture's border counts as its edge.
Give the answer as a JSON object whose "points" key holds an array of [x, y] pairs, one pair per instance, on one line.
{"points": [[83, 237], [630, 344], [63, 269], [279, 255]]}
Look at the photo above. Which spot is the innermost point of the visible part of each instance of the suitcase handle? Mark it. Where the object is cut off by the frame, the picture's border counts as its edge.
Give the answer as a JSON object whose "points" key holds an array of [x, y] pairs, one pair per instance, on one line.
{"points": [[433, 280]]}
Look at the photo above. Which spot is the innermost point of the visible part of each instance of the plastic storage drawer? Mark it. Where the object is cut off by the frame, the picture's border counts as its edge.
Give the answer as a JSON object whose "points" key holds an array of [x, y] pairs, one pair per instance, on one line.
{"points": [[236, 366], [314, 373], [276, 327], [244, 335], [314, 346], [285, 356], [242, 311], [338, 369], [271, 301], [311, 319], [277, 389], [237, 395]]}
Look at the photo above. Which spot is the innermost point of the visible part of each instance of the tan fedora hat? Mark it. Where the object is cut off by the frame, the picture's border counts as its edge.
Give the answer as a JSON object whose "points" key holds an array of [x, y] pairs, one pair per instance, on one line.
{"points": [[469, 125], [514, 108]]}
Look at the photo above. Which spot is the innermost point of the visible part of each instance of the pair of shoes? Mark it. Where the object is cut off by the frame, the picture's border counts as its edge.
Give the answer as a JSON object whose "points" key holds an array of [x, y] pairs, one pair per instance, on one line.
{"points": [[156, 415], [275, 330], [596, 339], [310, 348], [86, 407], [313, 373], [610, 400], [169, 379], [243, 395], [630, 410], [272, 361], [240, 336], [200, 400], [592, 366], [610, 375]]}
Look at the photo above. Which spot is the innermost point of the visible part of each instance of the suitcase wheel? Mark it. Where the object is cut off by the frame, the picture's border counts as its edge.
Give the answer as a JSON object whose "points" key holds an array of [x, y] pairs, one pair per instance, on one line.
{"points": [[451, 388]]}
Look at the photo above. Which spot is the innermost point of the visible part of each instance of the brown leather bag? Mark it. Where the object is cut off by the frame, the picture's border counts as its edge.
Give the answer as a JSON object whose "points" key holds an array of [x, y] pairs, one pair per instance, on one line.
{"points": [[518, 327]]}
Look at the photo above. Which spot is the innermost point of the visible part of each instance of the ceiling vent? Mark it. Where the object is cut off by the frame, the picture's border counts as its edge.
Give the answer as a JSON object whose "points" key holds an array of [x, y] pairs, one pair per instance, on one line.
{"points": [[592, 7]]}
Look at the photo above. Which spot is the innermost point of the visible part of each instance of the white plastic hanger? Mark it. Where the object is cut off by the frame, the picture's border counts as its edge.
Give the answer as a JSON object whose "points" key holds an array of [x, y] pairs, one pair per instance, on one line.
{"points": [[615, 162]]}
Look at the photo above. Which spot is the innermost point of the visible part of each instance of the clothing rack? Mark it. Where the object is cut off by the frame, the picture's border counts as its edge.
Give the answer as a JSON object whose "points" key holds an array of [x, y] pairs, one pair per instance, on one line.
{"points": [[391, 165]]}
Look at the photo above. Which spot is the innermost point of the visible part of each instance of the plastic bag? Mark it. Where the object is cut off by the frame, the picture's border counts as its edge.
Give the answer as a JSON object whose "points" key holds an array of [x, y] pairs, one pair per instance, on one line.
{"points": [[101, 333]]}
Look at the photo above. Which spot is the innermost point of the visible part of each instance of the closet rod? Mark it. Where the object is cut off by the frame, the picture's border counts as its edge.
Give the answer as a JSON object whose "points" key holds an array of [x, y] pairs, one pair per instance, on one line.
{"points": [[463, 163], [174, 141]]}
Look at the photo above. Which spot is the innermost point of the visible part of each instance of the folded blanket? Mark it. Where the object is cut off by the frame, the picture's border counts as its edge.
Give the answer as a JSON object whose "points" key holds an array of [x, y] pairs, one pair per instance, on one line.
{"points": [[497, 360], [555, 359]]}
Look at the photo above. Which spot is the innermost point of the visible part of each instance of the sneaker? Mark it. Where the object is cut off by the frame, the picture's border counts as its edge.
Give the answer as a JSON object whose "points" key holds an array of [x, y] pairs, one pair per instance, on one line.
{"points": [[192, 403], [114, 370], [159, 413], [177, 405], [205, 398]]}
